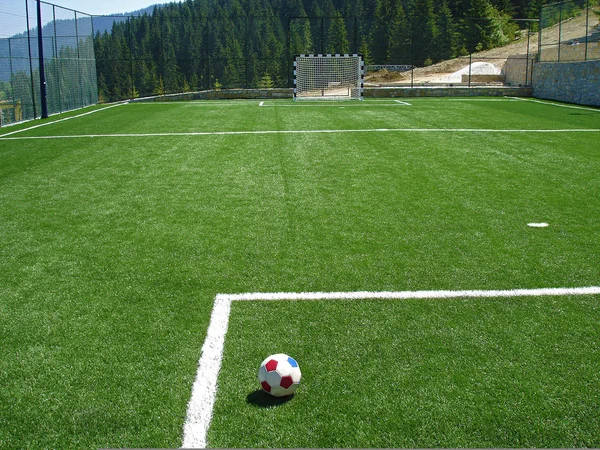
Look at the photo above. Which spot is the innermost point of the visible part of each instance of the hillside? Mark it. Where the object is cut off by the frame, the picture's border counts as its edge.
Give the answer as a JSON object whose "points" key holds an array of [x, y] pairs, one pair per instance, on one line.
{"points": [[204, 44], [571, 30]]}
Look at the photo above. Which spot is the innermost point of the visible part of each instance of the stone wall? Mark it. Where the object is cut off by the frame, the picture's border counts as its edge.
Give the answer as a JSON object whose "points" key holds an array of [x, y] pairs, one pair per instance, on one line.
{"points": [[222, 94], [370, 92], [573, 82]]}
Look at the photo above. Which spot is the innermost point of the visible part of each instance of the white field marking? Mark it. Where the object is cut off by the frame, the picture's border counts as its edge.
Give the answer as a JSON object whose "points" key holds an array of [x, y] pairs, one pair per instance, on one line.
{"points": [[236, 133], [560, 105], [236, 102], [537, 225], [470, 99], [62, 120], [402, 103], [261, 104], [328, 105], [200, 406]]}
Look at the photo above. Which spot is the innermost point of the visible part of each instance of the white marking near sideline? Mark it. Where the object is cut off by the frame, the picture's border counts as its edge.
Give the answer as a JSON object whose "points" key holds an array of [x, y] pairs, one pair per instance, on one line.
{"points": [[234, 133], [62, 120], [331, 104], [402, 103], [261, 104], [200, 406], [538, 225], [555, 104]]}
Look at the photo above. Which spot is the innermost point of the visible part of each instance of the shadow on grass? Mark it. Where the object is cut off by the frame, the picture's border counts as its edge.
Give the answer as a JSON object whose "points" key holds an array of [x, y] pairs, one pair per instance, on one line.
{"points": [[261, 399]]}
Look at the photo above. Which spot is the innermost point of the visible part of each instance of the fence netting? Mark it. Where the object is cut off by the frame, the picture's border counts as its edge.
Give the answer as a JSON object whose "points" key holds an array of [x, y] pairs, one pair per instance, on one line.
{"points": [[180, 49], [161, 53], [69, 62], [570, 31]]}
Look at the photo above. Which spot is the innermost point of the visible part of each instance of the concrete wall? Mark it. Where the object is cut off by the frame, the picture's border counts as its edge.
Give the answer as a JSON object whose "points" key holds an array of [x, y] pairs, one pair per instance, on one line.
{"points": [[482, 78], [518, 70], [455, 91], [573, 82]]}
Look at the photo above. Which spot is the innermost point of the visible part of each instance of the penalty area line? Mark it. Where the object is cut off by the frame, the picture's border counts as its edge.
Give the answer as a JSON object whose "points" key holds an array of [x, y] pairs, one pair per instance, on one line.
{"points": [[204, 389], [238, 133]]}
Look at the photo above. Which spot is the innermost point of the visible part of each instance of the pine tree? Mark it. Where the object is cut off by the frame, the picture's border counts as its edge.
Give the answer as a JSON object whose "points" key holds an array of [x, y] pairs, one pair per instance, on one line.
{"points": [[338, 36], [301, 41], [423, 32], [445, 43], [480, 25], [399, 38], [385, 12], [266, 82]]}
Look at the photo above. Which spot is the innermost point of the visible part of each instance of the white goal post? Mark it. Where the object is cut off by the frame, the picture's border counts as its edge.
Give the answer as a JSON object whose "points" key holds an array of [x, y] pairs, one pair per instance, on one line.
{"points": [[329, 77]]}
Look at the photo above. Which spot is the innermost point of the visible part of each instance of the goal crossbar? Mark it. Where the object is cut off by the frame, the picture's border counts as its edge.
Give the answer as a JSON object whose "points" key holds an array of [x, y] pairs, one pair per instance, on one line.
{"points": [[329, 77]]}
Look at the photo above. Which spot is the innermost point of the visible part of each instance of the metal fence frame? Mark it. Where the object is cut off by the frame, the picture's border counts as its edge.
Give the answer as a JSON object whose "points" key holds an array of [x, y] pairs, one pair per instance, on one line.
{"points": [[51, 65], [568, 48], [209, 71]]}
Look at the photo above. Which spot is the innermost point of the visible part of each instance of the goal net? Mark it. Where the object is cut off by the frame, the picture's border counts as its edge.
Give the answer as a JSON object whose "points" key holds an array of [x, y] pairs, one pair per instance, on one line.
{"points": [[328, 77]]}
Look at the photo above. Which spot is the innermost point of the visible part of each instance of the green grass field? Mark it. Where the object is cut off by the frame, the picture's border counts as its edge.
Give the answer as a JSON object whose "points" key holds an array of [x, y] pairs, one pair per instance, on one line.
{"points": [[119, 228]]}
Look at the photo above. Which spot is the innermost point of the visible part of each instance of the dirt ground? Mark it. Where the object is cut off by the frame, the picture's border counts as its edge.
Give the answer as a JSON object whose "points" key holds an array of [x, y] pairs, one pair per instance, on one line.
{"points": [[571, 30]]}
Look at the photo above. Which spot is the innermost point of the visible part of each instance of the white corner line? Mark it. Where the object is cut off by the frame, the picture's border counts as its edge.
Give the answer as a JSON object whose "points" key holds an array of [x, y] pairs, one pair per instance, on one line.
{"points": [[204, 390], [403, 103], [261, 104], [62, 120]]}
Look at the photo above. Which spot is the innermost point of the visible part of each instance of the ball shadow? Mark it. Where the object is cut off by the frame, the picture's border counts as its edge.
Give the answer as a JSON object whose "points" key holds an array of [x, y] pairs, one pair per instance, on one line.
{"points": [[261, 399]]}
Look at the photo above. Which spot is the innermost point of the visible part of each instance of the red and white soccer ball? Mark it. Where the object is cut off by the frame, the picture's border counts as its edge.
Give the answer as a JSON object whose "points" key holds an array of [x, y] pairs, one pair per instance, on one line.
{"points": [[279, 375]]}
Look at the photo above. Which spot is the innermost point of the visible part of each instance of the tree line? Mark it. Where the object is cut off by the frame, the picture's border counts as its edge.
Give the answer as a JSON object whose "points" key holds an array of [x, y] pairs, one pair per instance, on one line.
{"points": [[212, 44]]}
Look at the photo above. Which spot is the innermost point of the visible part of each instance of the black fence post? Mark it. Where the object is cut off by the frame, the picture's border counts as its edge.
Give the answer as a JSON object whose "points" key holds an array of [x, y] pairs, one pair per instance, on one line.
{"points": [[12, 84], [322, 36], [58, 61], [207, 62], [470, 66], [130, 38], [41, 60], [30, 61], [587, 25], [559, 30], [527, 57], [289, 52], [355, 37]]}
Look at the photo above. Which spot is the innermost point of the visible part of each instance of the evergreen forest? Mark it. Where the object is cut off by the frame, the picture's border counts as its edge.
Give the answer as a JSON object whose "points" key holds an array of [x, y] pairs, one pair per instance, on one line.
{"points": [[213, 44]]}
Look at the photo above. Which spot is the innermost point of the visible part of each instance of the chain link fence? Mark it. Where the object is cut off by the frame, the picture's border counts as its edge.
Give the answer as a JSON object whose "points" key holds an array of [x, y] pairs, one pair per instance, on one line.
{"points": [[570, 31], [157, 54], [90, 59], [69, 65]]}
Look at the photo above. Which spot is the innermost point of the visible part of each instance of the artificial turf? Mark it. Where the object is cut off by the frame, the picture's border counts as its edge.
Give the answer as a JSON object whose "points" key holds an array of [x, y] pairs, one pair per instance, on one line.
{"points": [[113, 248], [456, 373]]}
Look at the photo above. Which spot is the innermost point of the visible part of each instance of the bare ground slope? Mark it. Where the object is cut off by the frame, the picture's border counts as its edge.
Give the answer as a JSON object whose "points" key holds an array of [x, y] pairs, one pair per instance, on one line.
{"points": [[570, 30]]}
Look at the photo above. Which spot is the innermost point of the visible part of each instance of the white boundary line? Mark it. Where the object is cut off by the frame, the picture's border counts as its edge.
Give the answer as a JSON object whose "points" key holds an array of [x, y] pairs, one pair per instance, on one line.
{"points": [[403, 103], [235, 133], [2, 136], [204, 390], [560, 105]]}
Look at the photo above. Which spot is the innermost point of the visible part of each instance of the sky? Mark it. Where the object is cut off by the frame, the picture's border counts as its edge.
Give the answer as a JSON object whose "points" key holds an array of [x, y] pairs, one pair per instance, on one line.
{"points": [[12, 12], [105, 7]]}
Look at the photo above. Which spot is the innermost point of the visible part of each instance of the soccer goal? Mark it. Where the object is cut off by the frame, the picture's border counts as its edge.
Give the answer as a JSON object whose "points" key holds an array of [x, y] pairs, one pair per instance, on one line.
{"points": [[329, 77]]}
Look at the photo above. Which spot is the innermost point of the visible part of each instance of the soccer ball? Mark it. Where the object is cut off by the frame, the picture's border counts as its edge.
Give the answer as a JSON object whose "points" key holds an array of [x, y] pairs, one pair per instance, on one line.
{"points": [[279, 375]]}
